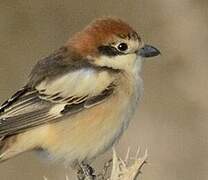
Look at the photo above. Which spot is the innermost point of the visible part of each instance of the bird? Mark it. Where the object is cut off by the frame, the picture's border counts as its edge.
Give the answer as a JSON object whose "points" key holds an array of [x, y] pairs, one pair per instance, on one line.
{"points": [[78, 100]]}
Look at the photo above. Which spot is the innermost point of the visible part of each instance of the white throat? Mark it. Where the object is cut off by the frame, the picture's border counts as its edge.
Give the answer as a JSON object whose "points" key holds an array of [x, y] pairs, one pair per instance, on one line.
{"points": [[131, 63]]}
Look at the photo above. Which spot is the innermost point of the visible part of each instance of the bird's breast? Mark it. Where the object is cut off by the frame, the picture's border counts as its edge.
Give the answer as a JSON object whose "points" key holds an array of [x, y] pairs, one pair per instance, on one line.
{"points": [[90, 132]]}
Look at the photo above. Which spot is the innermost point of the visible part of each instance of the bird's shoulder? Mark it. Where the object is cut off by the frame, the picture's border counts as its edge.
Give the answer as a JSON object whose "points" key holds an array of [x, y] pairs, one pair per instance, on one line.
{"points": [[58, 63], [64, 73]]}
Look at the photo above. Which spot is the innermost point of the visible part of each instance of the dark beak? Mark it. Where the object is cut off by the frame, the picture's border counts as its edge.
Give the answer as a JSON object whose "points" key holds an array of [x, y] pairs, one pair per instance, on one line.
{"points": [[148, 51]]}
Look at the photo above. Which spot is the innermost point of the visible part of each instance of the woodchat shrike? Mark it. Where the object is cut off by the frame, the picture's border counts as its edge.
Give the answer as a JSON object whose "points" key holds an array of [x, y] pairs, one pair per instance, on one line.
{"points": [[78, 100]]}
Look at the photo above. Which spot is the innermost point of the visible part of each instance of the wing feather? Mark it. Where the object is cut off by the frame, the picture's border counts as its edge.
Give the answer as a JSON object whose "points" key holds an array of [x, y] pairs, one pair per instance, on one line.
{"points": [[57, 92], [33, 108]]}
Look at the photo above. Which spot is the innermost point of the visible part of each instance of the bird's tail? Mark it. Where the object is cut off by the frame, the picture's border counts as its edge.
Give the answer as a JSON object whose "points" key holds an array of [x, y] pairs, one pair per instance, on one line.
{"points": [[2, 149], [6, 151]]}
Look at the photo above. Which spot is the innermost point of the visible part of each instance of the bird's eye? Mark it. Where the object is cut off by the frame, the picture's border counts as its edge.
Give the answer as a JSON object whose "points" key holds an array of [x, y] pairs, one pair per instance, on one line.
{"points": [[122, 47]]}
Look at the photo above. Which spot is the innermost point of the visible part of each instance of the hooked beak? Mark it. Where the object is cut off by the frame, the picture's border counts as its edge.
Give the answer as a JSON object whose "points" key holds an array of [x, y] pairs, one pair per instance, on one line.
{"points": [[148, 51]]}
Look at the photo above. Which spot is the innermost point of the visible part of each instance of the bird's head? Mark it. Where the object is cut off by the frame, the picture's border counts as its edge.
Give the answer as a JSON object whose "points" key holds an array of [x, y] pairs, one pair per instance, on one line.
{"points": [[112, 43]]}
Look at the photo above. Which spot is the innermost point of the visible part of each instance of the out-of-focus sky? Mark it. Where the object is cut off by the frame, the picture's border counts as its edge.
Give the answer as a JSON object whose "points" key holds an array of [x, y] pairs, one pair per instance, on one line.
{"points": [[172, 118]]}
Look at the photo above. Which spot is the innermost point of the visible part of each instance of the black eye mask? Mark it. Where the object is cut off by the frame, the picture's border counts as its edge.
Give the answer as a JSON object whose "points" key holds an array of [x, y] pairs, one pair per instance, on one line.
{"points": [[109, 51]]}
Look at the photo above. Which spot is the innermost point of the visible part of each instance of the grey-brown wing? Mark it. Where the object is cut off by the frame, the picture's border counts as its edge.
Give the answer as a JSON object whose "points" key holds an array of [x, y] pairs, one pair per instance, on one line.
{"points": [[26, 109], [58, 86], [23, 110]]}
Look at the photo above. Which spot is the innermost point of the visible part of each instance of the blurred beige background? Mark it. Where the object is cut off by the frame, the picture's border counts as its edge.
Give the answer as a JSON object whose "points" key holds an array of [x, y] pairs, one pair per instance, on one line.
{"points": [[172, 121]]}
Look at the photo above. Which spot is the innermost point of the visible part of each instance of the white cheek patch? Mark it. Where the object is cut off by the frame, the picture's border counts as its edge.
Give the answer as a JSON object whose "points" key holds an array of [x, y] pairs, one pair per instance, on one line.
{"points": [[123, 62]]}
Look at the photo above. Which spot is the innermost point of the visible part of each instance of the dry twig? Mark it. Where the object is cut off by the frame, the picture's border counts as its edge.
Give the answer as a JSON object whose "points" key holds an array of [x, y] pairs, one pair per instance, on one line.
{"points": [[121, 169]]}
